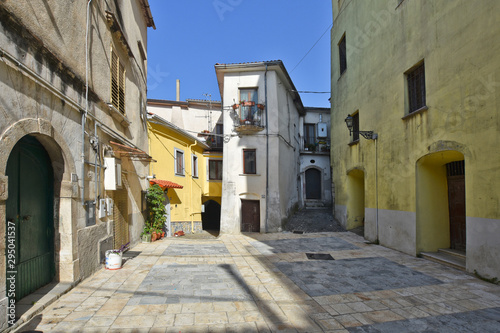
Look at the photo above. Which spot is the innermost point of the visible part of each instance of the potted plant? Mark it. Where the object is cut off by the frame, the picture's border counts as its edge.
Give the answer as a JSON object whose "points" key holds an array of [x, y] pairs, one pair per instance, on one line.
{"points": [[311, 147], [114, 257], [156, 211], [146, 235]]}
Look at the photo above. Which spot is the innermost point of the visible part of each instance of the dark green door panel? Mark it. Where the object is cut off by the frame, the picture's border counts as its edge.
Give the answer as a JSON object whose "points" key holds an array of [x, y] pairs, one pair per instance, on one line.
{"points": [[30, 206]]}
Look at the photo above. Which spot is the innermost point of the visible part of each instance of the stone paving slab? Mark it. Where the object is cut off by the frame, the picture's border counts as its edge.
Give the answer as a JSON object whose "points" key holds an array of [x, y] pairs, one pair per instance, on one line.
{"points": [[195, 250], [324, 278], [319, 244], [480, 321], [174, 283], [195, 292]]}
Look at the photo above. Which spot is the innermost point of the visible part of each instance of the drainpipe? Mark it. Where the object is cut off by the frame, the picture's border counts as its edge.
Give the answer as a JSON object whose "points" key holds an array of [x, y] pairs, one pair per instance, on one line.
{"points": [[84, 114], [191, 186], [376, 185], [267, 152]]}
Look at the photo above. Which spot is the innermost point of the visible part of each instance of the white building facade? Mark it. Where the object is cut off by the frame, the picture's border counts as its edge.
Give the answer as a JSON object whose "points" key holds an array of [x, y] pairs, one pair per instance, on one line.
{"points": [[315, 175], [261, 165]]}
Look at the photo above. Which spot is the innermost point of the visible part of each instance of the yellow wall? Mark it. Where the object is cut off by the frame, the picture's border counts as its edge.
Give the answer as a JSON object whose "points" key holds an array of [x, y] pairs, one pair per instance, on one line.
{"points": [[186, 202], [404, 171]]}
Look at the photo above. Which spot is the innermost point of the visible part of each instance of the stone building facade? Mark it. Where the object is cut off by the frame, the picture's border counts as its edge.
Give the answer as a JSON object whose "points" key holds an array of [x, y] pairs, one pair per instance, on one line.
{"points": [[73, 137]]}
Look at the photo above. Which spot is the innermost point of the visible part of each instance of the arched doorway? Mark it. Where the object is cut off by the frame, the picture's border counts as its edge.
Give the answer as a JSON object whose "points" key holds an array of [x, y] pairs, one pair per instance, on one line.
{"points": [[211, 217], [313, 184], [440, 204], [30, 217], [356, 202]]}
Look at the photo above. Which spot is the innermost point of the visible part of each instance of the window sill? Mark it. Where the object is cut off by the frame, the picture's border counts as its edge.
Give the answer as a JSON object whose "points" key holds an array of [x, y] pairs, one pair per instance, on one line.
{"points": [[250, 174], [119, 116], [179, 175], [215, 180], [353, 143], [418, 111]]}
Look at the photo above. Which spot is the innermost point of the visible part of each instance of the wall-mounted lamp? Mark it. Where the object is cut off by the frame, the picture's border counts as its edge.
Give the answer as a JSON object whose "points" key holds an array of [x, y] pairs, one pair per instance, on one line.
{"points": [[369, 135]]}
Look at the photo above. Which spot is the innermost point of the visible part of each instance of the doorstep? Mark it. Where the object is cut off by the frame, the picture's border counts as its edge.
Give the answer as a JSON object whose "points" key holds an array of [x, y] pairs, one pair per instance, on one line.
{"points": [[31, 305]]}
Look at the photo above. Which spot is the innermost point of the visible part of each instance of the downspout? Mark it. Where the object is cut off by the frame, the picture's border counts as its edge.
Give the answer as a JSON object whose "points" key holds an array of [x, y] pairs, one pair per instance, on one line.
{"points": [[267, 152], [376, 186], [84, 114], [191, 186]]}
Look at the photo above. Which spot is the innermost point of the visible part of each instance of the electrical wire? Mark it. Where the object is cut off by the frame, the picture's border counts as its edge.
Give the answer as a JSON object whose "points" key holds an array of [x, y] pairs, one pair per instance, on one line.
{"points": [[328, 29]]}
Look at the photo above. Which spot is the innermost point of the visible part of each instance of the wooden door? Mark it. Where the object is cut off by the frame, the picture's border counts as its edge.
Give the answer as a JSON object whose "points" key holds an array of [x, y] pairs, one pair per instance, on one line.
{"points": [[30, 218], [250, 216], [313, 184], [456, 204]]}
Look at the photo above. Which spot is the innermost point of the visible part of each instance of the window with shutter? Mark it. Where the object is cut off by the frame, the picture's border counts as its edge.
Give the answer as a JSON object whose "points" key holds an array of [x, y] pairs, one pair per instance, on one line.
{"points": [[117, 83]]}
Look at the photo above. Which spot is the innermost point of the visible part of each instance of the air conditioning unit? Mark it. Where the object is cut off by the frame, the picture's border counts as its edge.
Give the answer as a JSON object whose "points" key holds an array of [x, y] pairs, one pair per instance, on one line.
{"points": [[112, 174], [322, 130]]}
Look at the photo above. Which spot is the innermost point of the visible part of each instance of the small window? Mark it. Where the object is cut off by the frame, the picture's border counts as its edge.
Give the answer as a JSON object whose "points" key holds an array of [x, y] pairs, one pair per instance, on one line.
{"points": [[416, 88], [249, 161], [117, 83], [219, 129], [342, 55], [194, 166], [179, 162], [355, 127], [215, 169], [309, 134]]}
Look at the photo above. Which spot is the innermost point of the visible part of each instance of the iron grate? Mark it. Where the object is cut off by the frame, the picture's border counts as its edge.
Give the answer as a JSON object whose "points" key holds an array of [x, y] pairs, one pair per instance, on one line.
{"points": [[319, 256]]}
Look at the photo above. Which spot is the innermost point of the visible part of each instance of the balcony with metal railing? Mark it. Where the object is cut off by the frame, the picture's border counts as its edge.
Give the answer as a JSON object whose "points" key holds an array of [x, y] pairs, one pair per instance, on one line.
{"points": [[248, 117]]}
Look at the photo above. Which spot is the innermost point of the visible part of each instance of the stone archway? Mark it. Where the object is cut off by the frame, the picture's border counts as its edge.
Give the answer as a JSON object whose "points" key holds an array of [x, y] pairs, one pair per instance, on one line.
{"points": [[65, 191], [432, 200], [356, 202], [313, 184]]}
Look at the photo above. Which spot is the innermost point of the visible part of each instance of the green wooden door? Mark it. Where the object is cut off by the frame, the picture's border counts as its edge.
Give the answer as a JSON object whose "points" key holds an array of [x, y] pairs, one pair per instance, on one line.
{"points": [[29, 212]]}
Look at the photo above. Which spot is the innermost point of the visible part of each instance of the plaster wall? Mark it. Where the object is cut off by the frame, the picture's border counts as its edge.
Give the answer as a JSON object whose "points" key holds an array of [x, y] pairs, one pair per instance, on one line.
{"points": [[192, 119], [42, 84], [283, 156], [185, 203], [457, 42]]}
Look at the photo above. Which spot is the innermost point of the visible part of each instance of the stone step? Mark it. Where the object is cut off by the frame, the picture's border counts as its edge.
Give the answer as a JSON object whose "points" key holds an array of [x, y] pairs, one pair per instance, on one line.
{"points": [[456, 253], [445, 258]]}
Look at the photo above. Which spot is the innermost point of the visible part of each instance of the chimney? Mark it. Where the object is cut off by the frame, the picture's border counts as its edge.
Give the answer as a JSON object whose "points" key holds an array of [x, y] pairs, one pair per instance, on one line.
{"points": [[178, 91]]}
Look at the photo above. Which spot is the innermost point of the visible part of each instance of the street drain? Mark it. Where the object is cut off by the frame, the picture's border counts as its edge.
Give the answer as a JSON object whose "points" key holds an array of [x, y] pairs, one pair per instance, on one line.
{"points": [[298, 232], [319, 256]]}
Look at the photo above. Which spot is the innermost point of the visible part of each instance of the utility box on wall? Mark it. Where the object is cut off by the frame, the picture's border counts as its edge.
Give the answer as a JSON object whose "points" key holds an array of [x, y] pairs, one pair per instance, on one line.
{"points": [[322, 130], [112, 174]]}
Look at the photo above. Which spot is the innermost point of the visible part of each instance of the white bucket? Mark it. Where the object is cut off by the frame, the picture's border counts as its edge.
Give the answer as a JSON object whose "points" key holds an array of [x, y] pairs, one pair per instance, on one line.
{"points": [[113, 260]]}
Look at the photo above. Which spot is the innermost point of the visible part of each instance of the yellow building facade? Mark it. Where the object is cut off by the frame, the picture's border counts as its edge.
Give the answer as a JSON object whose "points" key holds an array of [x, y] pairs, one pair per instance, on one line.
{"points": [[421, 80], [182, 170]]}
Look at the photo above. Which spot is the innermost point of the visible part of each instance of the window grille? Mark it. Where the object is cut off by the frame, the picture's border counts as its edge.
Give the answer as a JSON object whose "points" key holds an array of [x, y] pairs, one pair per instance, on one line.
{"points": [[342, 55], [416, 88], [455, 168]]}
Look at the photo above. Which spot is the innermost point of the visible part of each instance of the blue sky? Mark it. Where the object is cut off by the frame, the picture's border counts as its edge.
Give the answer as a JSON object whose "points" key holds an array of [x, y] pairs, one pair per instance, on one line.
{"points": [[191, 36]]}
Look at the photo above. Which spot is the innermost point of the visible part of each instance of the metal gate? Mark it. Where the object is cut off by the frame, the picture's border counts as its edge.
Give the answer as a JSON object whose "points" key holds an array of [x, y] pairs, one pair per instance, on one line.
{"points": [[120, 215], [456, 202]]}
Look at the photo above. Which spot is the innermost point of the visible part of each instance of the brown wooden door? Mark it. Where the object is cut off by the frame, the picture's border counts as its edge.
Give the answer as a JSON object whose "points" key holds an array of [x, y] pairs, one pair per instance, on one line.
{"points": [[250, 216], [456, 200]]}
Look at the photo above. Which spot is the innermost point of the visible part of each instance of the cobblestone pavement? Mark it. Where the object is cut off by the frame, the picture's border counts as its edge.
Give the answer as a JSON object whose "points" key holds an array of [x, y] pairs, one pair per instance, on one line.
{"points": [[266, 283], [313, 220]]}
